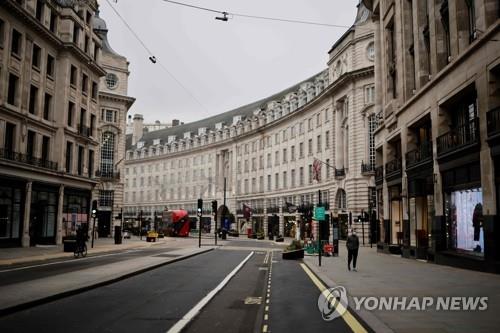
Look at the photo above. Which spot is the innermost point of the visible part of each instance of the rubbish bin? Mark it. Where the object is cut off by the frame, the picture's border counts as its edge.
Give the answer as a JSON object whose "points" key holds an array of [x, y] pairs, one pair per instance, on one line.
{"points": [[249, 232], [118, 234]]}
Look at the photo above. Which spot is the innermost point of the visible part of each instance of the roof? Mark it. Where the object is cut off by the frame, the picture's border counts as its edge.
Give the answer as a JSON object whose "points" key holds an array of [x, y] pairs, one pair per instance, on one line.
{"points": [[245, 111], [101, 29]]}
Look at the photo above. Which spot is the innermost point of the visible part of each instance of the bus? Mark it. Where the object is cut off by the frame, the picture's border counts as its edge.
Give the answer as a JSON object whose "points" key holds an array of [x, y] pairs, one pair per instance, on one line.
{"points": [[175, 223]]}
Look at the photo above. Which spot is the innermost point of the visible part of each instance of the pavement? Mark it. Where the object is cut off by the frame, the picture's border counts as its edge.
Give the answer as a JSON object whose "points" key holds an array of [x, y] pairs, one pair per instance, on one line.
{"points": [[45, 288], [382, 275]]}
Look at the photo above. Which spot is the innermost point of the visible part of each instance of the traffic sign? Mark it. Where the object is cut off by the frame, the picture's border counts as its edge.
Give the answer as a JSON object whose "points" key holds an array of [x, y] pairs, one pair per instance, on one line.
{"points": [[319, 213]]}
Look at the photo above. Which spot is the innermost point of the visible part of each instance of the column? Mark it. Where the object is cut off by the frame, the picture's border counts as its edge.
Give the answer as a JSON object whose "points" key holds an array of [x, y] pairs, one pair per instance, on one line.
{"points": [[60, 205], [266, 222], [27, 213], [282, 220]]}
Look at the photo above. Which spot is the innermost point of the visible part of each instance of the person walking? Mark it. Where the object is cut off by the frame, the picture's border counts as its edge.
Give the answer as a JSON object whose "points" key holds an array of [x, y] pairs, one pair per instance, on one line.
{"points": [[352, 250]]}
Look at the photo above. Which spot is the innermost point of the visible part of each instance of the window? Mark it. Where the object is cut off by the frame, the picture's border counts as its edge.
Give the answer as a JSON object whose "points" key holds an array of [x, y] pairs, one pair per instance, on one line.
{"points": [[276, 158], [327, 167], [276, 138], [301, 176], [327, 140], [69, 156], [33, 101], [301, 128], [269, 183], [94, 90], [76, 33], [111, 81], [310, 174], [91, 163], [39, 10], [372, 126], [45, 148], [246, 166], [285, 180], [53, 21], [292, 180], [35, 56], [269, 162], [47, 106], [81, 152], [327, 115], [13, 90], [30, 145], [16, 43], [285, 159], [318, 119], [318, 143], [92, 124], [276, 181], [109, 116], [292, 153], [471, 12], [107, 153], [301, 150], [309, 124], [71, 113], [85, 84], [72, 75], [2, 33], [261, 162], [106, 198], [310, 147], [369, 94], [50, 65]]}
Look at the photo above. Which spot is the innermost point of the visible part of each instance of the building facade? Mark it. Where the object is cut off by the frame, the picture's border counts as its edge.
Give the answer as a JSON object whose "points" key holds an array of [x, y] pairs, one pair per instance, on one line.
{"points": [[264, 153], [437, 78], [114, 104], [49, 76]]}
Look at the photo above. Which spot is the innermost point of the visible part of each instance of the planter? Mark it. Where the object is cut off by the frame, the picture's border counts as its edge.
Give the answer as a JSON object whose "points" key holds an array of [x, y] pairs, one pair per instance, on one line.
{"points": [[293, 255]]}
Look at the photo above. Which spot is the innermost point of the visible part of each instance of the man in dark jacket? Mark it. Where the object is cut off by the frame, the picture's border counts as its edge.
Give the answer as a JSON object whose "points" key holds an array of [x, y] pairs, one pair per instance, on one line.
{"points": [[352, 250]]}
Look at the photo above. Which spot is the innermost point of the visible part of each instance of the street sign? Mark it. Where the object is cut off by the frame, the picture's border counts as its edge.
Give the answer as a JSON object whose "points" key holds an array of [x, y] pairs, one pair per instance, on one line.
{"points": [[319, 213]]}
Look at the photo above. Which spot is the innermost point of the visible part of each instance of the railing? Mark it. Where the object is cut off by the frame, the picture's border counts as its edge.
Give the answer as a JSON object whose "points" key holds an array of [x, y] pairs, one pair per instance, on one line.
{"points": [[379, 173], [26, 159], [84, 131], [339, 172], [458, 137], [108, 174], [493, 121], [274, 209], [367, 168], [393, 167], [258, 210], [420, 154]]}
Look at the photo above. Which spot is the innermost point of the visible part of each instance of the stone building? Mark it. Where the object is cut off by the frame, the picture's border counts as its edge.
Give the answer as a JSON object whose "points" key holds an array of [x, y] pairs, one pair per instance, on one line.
{"points": [[49, 83], [438, 76], [114, 104], [265, 151]]}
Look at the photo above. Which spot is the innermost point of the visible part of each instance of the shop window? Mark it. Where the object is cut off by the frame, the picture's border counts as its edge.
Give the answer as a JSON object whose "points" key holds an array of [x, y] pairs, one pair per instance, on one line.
{"points": [[10, 212]]}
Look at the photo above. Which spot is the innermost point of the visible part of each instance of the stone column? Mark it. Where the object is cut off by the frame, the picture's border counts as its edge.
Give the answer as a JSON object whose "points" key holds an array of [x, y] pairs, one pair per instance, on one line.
{"points": [[266, 223], [297, 223], [27, 217], [60, 205], [282, 221]]}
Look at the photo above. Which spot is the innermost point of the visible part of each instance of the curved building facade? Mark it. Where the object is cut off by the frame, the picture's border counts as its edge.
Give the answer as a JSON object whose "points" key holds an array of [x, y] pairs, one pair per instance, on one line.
{"points": [[265, 152]]}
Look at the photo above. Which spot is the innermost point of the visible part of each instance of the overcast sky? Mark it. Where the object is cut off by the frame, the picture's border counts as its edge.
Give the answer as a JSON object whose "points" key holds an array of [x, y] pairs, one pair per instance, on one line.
{"points": [[223, 64]]}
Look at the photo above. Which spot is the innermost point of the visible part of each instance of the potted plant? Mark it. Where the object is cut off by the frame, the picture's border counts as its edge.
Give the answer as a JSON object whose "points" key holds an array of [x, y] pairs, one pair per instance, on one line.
{"points": [[294, 251]]}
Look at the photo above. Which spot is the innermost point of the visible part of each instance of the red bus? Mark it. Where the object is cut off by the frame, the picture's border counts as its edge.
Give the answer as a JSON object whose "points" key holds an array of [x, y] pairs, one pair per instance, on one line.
{"points": [[175, 223]]}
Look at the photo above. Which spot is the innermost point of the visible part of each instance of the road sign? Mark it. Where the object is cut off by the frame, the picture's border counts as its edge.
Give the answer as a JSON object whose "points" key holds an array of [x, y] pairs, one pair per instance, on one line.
{"points": [[319, 213]]}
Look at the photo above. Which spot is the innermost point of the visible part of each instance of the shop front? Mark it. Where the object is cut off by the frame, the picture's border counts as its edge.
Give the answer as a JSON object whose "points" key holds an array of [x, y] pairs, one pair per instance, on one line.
{"points": [[11, 212], [76, 211], [43, 214], [394, 230]]}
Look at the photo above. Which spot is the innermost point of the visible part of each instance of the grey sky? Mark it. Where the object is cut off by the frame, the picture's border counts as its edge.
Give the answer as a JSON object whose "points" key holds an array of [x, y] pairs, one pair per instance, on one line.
{"points": [[223, 64]]}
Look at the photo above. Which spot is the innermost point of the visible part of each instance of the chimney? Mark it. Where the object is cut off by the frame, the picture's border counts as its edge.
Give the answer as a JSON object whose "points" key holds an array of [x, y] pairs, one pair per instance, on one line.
{"points": [[175, 122], [138, 128]]}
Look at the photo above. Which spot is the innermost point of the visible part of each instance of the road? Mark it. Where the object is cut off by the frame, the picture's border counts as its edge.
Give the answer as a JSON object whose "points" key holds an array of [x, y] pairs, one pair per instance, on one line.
{"points": [[265, 295]]}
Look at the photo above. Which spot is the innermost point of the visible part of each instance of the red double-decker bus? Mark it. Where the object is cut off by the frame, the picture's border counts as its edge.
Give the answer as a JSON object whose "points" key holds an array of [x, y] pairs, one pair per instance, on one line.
{"points": [[175, 223]]}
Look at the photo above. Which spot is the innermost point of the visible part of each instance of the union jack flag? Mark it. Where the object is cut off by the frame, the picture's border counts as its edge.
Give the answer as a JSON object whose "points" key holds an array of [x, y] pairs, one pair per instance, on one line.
{"points": [[317, 169]]}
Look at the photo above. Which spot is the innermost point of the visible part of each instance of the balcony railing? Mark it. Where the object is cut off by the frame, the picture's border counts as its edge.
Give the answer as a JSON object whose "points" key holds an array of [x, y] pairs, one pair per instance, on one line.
{"points": [[458, 137], [379, 174], [393, 167], [108, 174], [84, 131], [421, 154], [272, 210], [493, 121], [367, 168], [339, 173], [26, 159]]}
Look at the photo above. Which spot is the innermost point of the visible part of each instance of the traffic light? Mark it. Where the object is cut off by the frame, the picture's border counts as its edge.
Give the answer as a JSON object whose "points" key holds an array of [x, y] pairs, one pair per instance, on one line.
{"points": [[200, 206], [214, 206], [94, 208]]}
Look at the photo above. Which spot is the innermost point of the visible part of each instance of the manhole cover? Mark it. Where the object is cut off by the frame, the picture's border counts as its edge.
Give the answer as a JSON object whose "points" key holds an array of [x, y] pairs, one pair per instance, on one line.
{"points": [[253, 300]]}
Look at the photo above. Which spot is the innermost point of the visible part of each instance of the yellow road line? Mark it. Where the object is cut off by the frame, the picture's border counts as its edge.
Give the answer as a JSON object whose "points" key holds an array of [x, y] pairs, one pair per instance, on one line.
{"points": [[350, 320]]}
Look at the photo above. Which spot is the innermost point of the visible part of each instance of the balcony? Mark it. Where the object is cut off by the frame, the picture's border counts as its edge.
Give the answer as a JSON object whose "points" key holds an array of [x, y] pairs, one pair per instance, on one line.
{"points": [[420, 155], [493, 122], [339, 173], [84, 131], [367, 169], [379, 174], [393, 168], [458, 138], [29, 160], [107, 174]]}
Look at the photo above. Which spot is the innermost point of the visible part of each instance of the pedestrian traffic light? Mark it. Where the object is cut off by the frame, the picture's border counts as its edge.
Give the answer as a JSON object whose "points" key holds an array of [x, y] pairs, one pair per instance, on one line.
{"points": [[214, 206], [200, 206], [94, 208]]}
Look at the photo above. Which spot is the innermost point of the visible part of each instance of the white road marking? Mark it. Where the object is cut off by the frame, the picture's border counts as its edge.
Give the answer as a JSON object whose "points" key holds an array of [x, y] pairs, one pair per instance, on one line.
{"points": [[179, 326]]}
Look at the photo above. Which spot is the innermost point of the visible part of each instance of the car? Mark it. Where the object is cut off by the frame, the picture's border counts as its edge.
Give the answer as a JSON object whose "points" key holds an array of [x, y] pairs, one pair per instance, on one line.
{"points": [[126, 234]]}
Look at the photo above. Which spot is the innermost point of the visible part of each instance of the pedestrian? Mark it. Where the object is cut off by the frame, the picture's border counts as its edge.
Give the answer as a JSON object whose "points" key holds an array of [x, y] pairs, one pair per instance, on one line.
{"points": [[352, 250]]}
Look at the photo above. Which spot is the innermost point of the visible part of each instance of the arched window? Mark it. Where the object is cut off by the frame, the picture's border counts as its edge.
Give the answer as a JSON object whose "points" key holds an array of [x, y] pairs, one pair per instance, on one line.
{"points": [[107, 153], [341, 199]]}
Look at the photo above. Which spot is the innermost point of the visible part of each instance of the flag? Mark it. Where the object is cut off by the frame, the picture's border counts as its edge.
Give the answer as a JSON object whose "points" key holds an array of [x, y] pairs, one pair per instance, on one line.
{"points": [[317, 169], [290, 207], [247, 211]]}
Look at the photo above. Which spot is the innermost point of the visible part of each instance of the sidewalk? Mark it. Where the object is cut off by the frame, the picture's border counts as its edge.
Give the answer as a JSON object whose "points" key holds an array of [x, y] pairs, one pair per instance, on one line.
{"points": [[22, 255], [389, 275]]}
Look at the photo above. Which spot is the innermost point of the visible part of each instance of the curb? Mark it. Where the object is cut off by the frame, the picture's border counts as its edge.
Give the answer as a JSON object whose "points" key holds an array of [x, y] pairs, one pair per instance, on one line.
{"points": [[48, 299], [369, 321]]}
